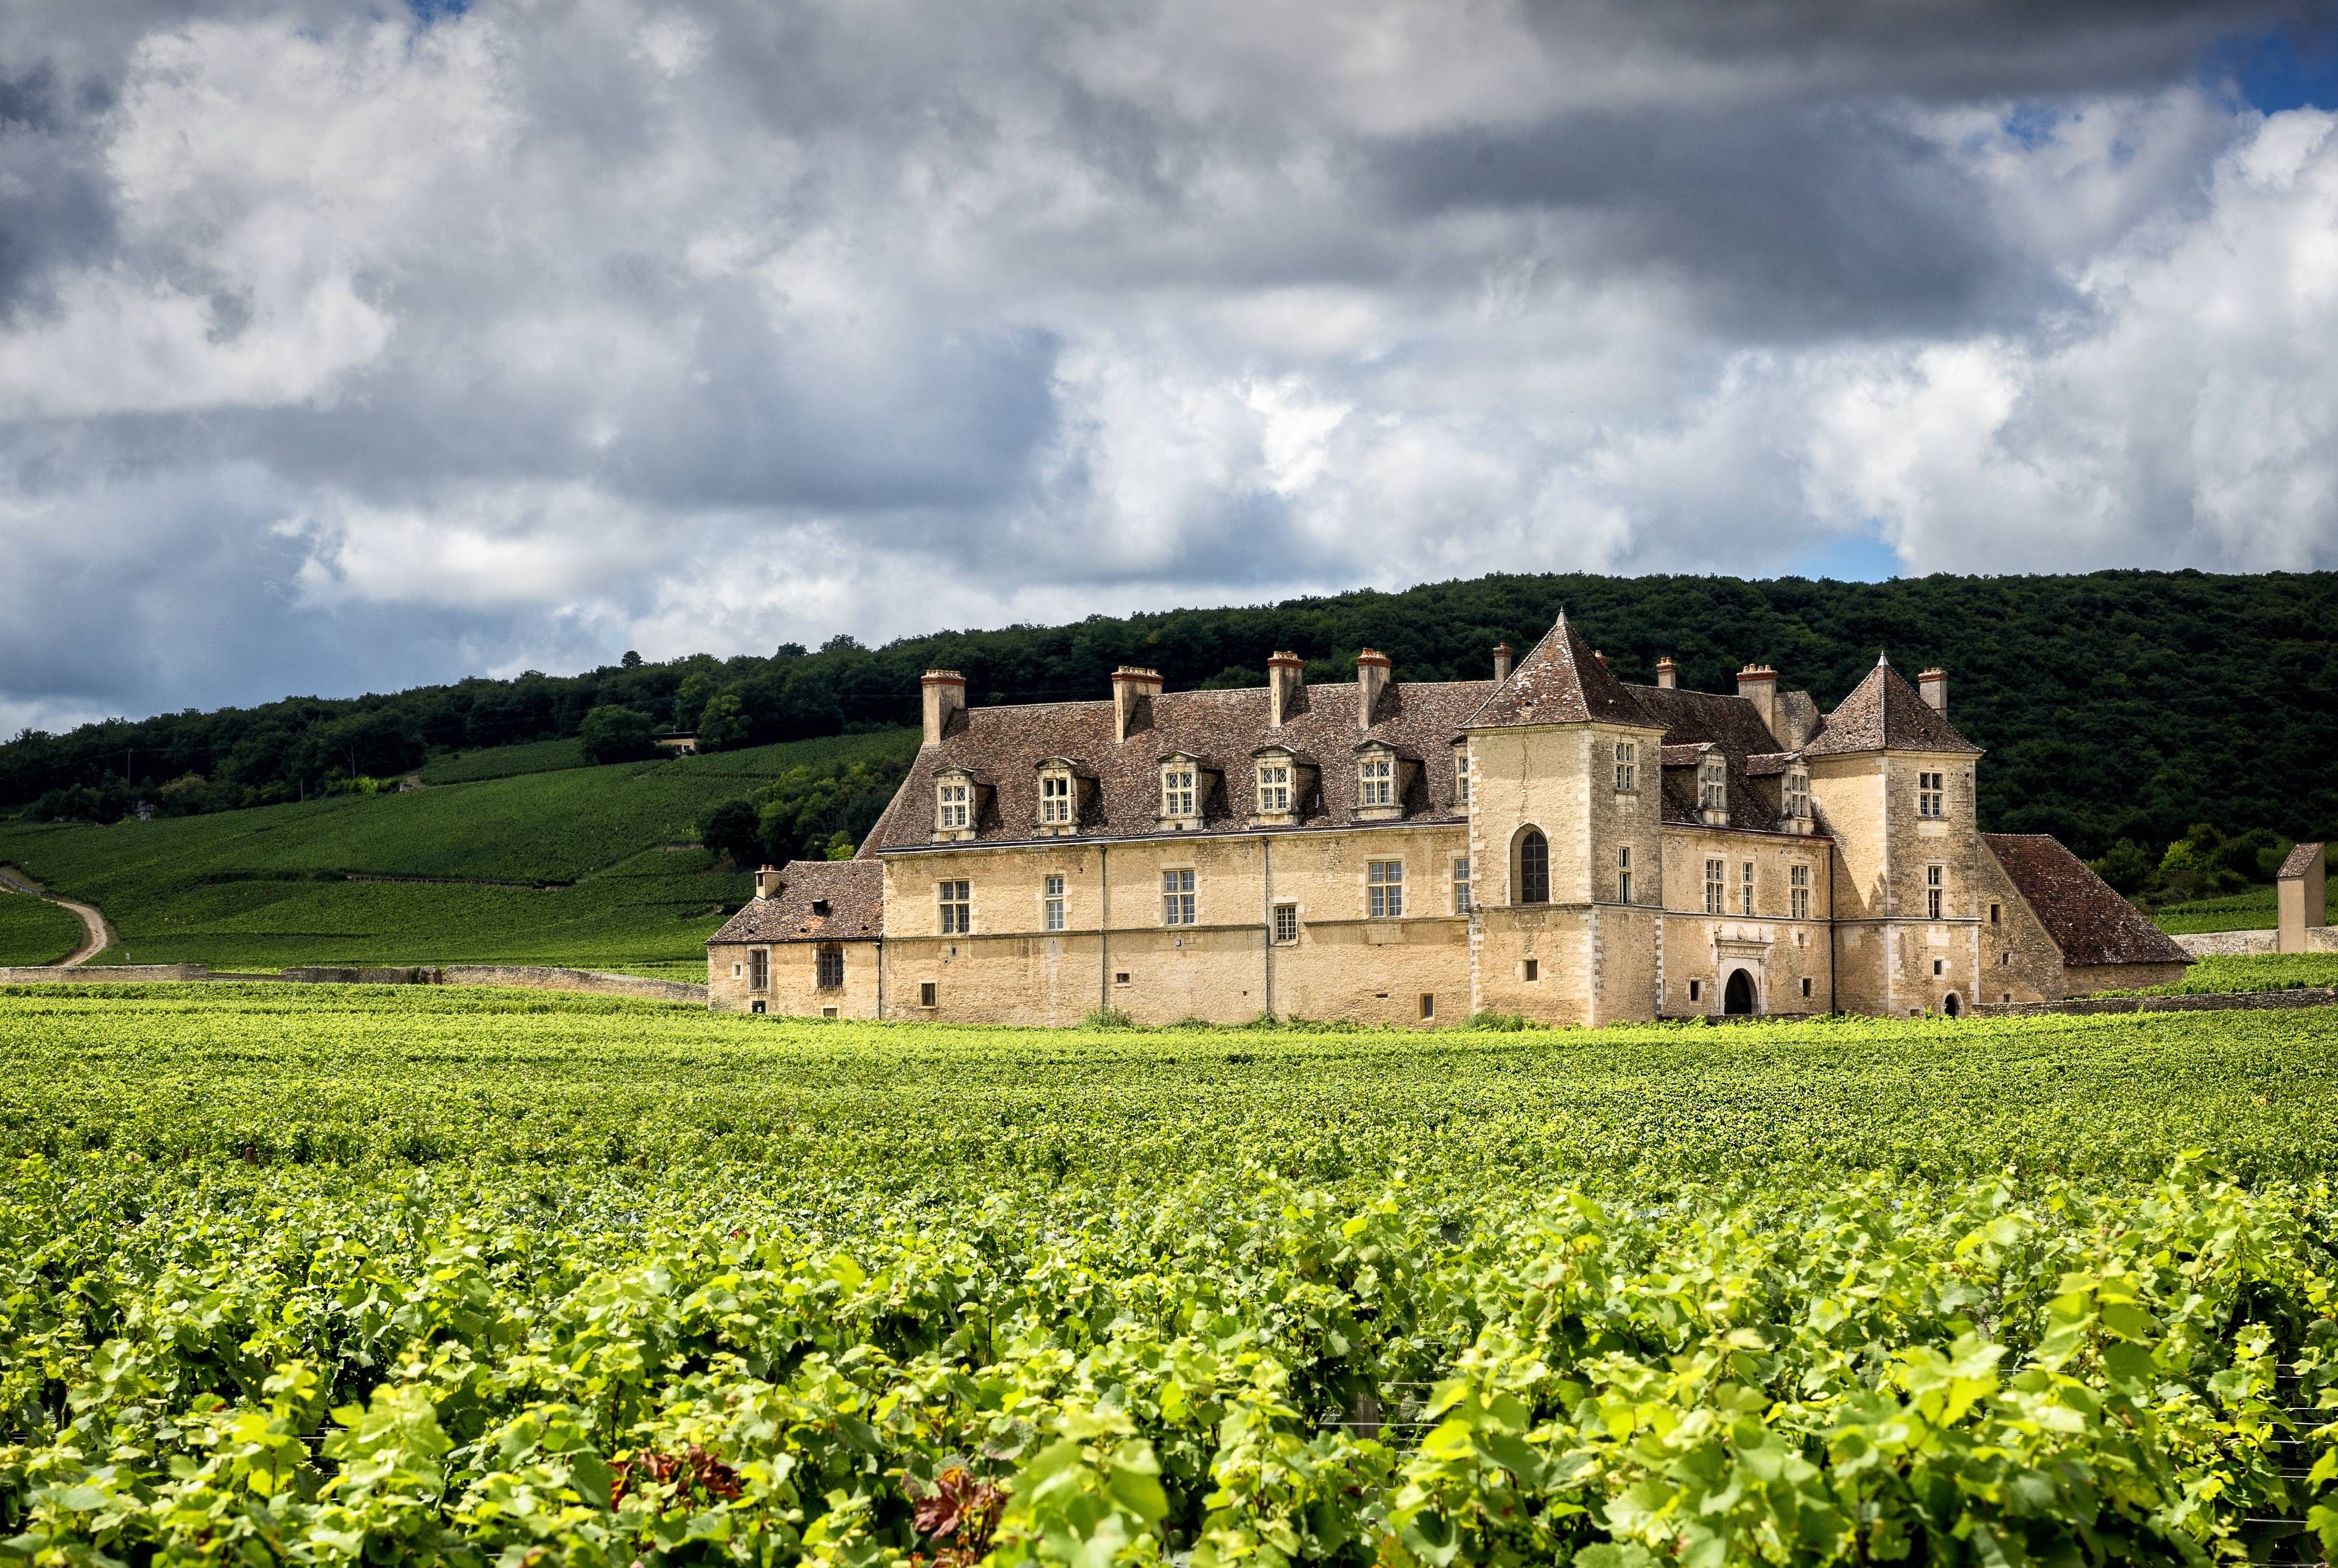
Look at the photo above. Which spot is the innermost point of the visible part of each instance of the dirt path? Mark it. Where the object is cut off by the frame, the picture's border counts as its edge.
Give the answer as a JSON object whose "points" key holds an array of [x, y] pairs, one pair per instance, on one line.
{"points": [[96, 936]]}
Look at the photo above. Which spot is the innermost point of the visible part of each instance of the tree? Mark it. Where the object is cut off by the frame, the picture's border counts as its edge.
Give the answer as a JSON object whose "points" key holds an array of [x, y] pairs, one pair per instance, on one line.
{"points": [[614, 734], [734, 828], [631, 661], [724, 726]]}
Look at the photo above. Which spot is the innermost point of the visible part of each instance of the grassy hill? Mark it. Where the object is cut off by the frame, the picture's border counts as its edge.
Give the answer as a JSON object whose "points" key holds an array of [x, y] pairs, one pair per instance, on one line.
{"points": [[33, 931], [585, 866]]}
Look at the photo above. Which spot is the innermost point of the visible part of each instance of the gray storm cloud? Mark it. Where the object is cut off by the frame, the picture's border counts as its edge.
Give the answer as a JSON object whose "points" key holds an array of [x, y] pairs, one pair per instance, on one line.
{"points": [[340, 351]]}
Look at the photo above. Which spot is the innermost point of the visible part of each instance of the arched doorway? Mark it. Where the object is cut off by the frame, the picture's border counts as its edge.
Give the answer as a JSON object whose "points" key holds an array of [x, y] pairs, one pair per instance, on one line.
{"points": [[1737, 997], [1534, 868], [1950, 1006]]}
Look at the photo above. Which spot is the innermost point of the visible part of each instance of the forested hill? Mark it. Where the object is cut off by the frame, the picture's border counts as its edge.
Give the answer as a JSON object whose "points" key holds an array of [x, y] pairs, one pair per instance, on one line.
{"points": [[2121, 705]]}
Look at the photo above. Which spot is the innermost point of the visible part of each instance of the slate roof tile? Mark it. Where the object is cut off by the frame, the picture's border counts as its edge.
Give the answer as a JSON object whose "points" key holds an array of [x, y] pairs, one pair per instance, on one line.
{"points": [[853, 890], [2088, 921], [1883, 711]]}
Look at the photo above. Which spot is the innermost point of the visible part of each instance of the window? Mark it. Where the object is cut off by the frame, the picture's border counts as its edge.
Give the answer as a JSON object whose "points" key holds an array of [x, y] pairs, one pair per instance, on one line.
{"points": [[1623, 873], [1120, 978], [1696, 990], [1992, 913], [1713, 785], [1934, 887], [953, 803], [1375, 781], [1534, 970], [1806, 986], [1462, 777], [1286, 922], [1177, 789], [1798, 791], [759, 969], [1054, 908], [1534, 868], [1929, 795], [1054, 799], [1745, 888], [1628, 768], [1428, 1005], [956, 900], [2005, 959], [926, 993], [831, 966], [1461, 886], [1274, 785], [1798, 892], [757, 1005], [1716, 893], [1176, 897], [1384, 889], [1939, 965], [828, 1012]]}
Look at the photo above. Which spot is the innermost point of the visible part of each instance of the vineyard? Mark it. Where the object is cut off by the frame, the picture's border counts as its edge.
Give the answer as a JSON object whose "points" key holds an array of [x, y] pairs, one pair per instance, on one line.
{"points": [[426, 1274], [34, 931]]}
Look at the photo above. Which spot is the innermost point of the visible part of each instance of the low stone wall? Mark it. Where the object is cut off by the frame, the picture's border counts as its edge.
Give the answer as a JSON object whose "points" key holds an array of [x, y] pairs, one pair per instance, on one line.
{"points": [[93, 975], [326, 975], [2239, 943], [2210, 1002], [573, 980]]}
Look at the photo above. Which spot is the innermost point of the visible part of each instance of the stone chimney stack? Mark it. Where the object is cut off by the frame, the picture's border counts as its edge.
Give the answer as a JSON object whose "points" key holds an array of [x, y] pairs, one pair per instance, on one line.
{"points": [[1667, 672], [1286, 687], [1600, 654], [1503, 660], [1130, 688], [1373, 669], [1933, 685], [945, 694], [769, 882], [1758, 684]]}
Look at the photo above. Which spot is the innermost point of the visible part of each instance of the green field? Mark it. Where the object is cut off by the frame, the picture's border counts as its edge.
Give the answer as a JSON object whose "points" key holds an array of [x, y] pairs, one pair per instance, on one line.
{"points": [[591, 867], [505, 761], [34, 931], [2248, 911], [2255, 971], [396, 1274]]}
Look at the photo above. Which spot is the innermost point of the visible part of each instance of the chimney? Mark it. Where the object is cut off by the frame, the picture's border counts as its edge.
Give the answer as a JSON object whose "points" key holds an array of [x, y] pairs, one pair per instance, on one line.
{"points": [[945, 694], [1129, 685], [1286, 687], [1503, 660], [1373, 669], [1758, 684], [1933, 684], [1600, 654], [1667, 672], [769, 883]]}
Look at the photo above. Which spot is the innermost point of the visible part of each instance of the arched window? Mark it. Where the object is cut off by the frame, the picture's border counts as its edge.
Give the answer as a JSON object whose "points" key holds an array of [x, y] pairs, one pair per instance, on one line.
{"points": [[1534, 868]]}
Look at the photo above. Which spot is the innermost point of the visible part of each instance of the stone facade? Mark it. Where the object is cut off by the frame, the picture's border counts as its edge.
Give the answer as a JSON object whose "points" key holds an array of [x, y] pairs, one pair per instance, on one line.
{"points": [[1550, 843]]}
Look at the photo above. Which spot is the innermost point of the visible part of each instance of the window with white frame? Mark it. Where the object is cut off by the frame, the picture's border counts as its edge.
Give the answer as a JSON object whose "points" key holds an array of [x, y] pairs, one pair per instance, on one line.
{"points": [[1745, 888], [1462, 775], [1274, 784], [1376, 780], [1623, 873], [1935, 886], [1053, 903], [1798, 892], [955, 901], [1716, 888], [953, 804], [1177, 794], [1054, 799], [1286, 922], [1713, 785], [1627, 766], [1384, 889], [1461, 886], [1176, 898], [1798, 791], [1930, 796]]}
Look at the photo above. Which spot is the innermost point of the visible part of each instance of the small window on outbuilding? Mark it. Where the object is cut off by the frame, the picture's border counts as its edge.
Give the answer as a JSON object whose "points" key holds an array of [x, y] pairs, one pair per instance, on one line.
{"points": [[831, 966]]}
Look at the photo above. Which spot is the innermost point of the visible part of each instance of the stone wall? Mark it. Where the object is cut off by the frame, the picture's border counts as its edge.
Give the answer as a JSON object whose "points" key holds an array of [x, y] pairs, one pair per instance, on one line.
{"points": [[2213, 1001], [589, 980], [795, 990], [2235, 944], [92, 975]]}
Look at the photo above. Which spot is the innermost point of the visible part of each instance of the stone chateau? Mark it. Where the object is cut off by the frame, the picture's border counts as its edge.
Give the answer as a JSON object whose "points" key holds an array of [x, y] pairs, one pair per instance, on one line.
{"points": [[1552, 842]]}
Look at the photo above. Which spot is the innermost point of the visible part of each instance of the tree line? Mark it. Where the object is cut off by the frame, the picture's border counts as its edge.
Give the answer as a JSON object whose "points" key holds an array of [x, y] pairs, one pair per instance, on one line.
{"points": [[2114, 705]]}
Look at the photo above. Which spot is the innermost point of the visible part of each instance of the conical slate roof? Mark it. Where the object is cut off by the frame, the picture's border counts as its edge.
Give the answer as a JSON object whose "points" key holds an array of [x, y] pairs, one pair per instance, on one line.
{"points": [[1559, 681], [1883, 713]]}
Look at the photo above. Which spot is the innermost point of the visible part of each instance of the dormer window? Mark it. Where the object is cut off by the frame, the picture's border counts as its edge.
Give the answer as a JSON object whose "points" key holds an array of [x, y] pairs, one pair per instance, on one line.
{"points": [[1712, 784], [954, 805], [1798, 792], [1376, 780], [1273, 785], [1628, 768], [1178, 796], [1462, 775], [1056, 799]]}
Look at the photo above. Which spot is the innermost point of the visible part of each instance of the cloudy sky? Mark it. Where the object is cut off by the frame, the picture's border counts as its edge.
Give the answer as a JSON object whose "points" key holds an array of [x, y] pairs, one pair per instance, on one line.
{"points": [[347, 346]]}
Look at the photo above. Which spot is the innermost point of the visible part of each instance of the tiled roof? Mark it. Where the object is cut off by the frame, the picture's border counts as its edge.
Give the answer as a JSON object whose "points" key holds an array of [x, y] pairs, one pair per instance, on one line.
{"points": [[2301, 860], [853, 890], [1884, 712], [1560, 681], [2088, 921], [1696, 722], [1005, 745]]}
